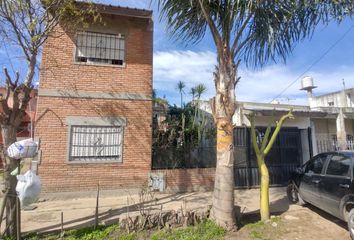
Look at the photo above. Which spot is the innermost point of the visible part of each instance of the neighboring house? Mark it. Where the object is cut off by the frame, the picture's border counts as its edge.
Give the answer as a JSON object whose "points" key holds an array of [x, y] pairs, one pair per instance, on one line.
{"points": [[336, 129], [94, 112], [160, 108], [326, 124], [24, 131], [27, 125]]}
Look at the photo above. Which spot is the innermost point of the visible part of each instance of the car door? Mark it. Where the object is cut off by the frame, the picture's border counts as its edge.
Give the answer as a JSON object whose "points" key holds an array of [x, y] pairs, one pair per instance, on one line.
{"points": [[309, 186], [335, 183]]}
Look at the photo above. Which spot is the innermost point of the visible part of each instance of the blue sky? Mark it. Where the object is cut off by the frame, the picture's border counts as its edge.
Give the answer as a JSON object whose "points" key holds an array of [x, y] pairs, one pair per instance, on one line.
{"points": [[194, 64]]}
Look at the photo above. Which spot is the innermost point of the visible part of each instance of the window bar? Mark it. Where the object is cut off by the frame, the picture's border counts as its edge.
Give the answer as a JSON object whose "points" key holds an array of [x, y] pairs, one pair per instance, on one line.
{"points": [[78, 143], [85, 142], [111, 149], [110, 141]]}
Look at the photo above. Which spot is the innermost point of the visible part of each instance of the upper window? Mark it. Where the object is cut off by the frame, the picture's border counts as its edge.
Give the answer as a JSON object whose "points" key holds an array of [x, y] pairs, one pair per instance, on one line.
{"points": [[316, 164], [100, 48], [339, 165], [96, 143]]}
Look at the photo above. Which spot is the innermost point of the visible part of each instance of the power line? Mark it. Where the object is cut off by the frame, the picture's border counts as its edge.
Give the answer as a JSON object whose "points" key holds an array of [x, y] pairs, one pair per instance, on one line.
{"points": [[315, 62]]}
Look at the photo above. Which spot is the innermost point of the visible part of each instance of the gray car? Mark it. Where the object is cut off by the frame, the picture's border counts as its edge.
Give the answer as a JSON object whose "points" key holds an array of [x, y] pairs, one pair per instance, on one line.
{"points": [[326, 181]]}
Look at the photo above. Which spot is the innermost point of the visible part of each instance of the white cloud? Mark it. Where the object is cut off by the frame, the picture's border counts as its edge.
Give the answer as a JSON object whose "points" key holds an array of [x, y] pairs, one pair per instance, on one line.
{"points": [[261, 86], [269, 82], [187, 66]]}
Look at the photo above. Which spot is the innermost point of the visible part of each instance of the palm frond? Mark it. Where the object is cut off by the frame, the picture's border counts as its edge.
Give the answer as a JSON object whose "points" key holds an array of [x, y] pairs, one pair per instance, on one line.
{"points": [[253, 31]]}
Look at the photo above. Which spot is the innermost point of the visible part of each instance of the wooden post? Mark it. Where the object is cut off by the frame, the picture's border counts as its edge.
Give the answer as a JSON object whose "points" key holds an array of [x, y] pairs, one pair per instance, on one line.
{"points": [[18, 219], [97, 201], [62, 225], [3, 206]]}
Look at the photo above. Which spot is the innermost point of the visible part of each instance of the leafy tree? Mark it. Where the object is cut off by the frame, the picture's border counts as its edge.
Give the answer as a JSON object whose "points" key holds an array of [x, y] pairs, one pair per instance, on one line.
{"points": [[181, 135], [251, 31], [27, 25]]}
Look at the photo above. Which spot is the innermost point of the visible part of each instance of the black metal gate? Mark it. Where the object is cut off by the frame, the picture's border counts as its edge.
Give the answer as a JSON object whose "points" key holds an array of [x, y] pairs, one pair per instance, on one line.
{"points": [[284, 157]]}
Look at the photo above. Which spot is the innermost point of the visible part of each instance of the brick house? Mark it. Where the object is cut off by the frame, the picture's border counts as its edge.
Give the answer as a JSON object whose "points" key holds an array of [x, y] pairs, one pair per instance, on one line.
{"points": [[94, 111]]}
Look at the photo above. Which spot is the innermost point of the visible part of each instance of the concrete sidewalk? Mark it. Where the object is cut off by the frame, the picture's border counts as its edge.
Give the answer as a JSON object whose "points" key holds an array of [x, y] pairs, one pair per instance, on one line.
{"points": [[79, 211]]}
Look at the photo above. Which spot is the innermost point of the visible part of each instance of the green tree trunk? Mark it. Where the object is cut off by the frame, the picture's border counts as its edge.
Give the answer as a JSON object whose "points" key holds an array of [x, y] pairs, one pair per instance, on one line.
{"points": [[262, 149]]}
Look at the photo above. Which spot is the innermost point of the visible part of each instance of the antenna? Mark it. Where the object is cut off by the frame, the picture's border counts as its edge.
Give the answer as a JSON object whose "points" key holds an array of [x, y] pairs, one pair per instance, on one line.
{"points": [[343, 82]]}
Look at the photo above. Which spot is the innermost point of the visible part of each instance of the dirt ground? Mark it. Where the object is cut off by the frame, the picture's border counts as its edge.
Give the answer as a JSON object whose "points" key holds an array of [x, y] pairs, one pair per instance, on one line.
{"points": [[295, 222], [303, 223]]}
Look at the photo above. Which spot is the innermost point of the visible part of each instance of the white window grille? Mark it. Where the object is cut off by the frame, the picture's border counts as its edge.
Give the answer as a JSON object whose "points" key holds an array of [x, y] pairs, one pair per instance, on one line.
{"points": [[96, 143], [100, 48]]}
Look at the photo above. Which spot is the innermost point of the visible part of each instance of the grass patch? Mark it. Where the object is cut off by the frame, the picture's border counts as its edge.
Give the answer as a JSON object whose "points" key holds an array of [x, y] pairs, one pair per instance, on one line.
{"points": [[88, 233], [206, 230], [264, 230]]}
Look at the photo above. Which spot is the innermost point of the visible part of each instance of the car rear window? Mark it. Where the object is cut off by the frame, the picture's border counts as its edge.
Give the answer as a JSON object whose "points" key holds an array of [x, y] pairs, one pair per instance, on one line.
{"points": [[339, 165]]}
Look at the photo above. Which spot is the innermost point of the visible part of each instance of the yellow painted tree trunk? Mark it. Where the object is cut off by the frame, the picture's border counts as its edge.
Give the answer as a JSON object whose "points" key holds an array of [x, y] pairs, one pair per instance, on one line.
{"points": [[264, 194], [223, 196], [262, 148]]}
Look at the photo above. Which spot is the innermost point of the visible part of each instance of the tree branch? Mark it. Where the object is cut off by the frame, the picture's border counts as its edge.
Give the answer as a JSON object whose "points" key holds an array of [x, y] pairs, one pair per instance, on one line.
{"points": [[253, 134], [266, 137], [277, 130]]}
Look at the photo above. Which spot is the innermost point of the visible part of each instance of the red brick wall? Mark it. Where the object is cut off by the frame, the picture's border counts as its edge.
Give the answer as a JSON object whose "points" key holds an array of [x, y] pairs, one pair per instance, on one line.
{"points": [[59, 72], [195, 179]]}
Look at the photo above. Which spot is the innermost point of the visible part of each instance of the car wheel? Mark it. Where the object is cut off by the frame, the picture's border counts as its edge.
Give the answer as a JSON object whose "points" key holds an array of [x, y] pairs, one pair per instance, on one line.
{"points": [[293, 195], [351, 223]]}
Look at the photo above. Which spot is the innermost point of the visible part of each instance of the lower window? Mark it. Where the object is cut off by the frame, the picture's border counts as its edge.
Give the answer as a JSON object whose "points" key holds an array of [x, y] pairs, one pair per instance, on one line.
{"points": [[96, 143]]}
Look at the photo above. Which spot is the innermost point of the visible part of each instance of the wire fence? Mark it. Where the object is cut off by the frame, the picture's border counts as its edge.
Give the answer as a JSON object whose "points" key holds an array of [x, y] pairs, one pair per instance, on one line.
{"points": [[183, 157]]}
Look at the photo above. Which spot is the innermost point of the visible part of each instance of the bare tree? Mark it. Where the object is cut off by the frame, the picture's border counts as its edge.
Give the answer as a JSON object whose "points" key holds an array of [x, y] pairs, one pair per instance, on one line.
{"points": [[27, 24], [262, 148], [251, 31]]}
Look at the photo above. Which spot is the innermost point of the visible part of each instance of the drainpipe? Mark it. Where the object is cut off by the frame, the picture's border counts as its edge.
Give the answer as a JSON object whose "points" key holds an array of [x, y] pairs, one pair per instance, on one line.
{"points": [[341, 133], [313, 137]]}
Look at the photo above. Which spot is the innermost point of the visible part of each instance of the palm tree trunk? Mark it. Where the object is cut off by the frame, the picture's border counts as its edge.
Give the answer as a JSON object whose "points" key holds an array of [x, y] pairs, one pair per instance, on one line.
{"points": [[223, 106], [223, 197], [181, 101], [9, 136]]}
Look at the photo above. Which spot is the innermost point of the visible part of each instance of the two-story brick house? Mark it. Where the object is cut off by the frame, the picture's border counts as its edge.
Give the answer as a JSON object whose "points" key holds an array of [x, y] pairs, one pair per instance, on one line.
{"points": [[94, 111]]}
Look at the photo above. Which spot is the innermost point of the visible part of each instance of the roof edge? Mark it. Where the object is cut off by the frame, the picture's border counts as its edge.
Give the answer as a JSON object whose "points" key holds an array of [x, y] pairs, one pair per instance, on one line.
{"points": [[120, 11]]}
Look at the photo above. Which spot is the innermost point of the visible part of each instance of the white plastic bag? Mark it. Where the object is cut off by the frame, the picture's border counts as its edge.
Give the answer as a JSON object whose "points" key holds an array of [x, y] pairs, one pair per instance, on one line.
{"points": [[28, 188], [22, 149]]}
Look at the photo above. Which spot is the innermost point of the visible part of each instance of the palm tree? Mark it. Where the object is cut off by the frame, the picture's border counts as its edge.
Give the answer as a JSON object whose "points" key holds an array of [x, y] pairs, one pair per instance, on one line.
{"points": [[180, 87], [250, 31], [193, 93], [200, 89]]}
